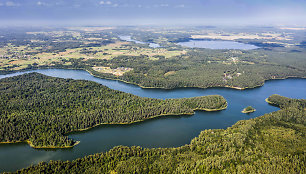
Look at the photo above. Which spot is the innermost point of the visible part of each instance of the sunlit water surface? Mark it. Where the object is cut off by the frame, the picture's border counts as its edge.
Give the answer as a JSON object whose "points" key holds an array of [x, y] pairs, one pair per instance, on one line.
{"points": [[168, 131]]}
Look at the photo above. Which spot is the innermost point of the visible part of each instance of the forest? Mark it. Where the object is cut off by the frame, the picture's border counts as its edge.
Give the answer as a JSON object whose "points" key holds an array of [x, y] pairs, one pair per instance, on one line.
{"points": [[171, 66], [41, 110], [272, 143], [281, 101]]}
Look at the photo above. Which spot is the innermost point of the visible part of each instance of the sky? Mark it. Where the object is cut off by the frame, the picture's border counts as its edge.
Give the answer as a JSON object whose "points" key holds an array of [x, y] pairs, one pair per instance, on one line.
{"points": [[153, 12]]}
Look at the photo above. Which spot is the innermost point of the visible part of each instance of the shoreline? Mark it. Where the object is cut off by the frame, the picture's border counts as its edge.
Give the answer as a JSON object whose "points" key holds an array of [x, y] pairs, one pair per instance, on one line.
{"points": [[226, 86], [90, 72], [156, 116], [148, 87], [85, 129], [246, 112], [268, 101], [41, 147]]}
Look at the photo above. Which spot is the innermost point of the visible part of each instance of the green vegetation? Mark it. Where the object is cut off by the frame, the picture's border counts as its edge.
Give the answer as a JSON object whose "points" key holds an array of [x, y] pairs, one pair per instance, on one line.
{"points": [[281, 55], [273, 143], [248, 109], [41, 109], [281, 101]]}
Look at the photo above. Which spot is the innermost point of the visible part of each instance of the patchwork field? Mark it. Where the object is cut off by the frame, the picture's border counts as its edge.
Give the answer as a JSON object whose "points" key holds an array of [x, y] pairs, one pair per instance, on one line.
{"points": [[100, 50], [19, 57]]}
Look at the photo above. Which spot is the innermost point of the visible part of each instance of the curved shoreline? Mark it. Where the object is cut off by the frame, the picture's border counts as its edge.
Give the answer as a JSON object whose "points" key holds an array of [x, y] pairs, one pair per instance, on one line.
{"points": [[246, 112], [271, 103], [198, 87], [267, 100], [148, 87], [80, 130], [100, 130], [156, 116], [41, 147], [85, 129]]}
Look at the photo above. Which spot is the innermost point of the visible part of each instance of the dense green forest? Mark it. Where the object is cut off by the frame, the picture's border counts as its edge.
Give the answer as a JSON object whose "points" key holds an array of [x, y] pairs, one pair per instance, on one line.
{"points": [[41, 109], [207, 68], [198, 68], [282, 101], [273, 143]]}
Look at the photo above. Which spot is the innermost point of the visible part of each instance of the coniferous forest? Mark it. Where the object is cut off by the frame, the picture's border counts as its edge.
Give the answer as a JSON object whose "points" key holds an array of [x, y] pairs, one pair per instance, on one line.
{"points": [[272, 143], [40, 110], [137, 60]]}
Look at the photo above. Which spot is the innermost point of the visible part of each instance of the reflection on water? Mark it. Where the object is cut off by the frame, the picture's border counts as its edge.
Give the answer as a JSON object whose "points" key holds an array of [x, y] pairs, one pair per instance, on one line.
{"points": [[168, 131]]}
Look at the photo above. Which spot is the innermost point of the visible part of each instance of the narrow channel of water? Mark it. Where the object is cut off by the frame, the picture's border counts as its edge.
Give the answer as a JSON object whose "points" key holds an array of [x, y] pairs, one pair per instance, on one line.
{"points": [[169, 131]]}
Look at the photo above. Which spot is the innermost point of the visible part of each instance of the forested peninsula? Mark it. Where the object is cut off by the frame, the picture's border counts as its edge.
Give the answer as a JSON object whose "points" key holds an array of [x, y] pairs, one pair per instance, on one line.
{"points": [[281, 101], [41, 110], [273, 143]]}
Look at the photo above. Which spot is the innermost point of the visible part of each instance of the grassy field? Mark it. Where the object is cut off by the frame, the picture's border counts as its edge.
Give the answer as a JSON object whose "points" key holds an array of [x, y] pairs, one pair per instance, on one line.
{"points": [[19, 57], [281, 54], [117, 72]]}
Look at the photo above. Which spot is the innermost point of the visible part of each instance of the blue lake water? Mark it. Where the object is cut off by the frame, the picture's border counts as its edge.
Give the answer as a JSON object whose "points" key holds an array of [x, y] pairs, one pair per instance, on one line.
{"points": [[168, 131], [129, 39], [217, 44]]}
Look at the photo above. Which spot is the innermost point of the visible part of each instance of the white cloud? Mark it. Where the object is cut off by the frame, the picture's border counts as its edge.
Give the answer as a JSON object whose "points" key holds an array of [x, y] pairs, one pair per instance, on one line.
{"points": [[40, 3], [12, 4], [152, 6], [115, 5], [164, 5], [180, 6], [106, 3]]}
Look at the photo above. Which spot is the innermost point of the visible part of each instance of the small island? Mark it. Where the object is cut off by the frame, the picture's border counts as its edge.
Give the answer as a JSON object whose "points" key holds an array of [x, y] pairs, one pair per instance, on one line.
{"points": [[248, 109]]}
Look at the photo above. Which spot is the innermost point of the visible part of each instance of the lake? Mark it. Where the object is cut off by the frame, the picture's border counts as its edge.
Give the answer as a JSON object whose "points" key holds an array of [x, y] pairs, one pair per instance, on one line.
{"points": [[168, 131], [212, 44], [129, 39]]}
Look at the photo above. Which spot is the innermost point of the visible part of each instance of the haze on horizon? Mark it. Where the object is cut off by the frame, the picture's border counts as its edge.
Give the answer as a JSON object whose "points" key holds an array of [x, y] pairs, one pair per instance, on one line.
{"points": [[153, 12]]}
